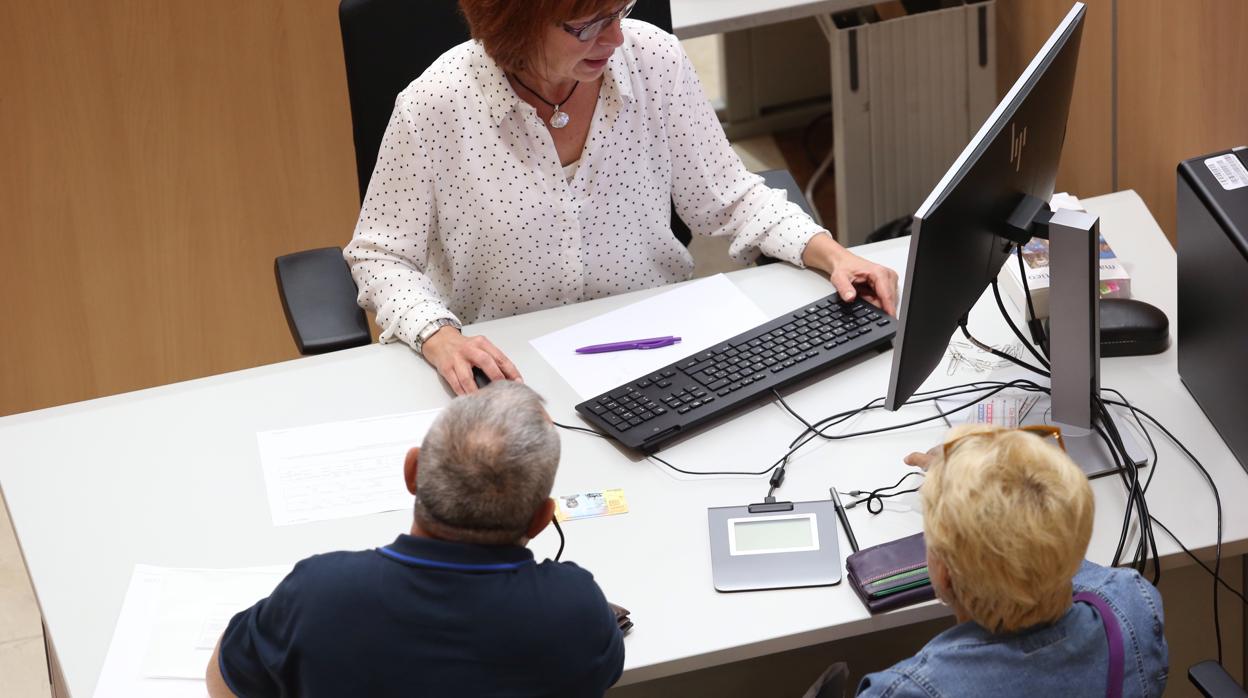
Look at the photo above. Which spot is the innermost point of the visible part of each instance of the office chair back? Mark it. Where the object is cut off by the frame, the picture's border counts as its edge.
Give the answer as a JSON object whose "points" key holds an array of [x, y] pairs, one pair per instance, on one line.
{"points": [[388, 43]]}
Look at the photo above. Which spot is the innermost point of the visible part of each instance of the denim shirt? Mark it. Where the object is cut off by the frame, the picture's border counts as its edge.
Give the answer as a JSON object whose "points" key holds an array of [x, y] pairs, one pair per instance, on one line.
{"points": [[1067, 658]]}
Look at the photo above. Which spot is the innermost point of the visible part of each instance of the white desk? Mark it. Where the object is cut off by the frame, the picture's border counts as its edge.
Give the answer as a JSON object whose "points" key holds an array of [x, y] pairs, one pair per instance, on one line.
{"points": [[171, 476], [692, 18]]}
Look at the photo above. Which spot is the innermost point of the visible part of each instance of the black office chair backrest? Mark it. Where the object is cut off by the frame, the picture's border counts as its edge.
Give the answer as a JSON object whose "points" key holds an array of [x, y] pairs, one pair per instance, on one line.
{"points": [[389, 43]]}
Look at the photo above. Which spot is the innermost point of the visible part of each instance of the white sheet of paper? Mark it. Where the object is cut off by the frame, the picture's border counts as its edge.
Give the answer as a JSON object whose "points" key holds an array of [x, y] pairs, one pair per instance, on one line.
{"points": [[340, 469], [176, 609], [701, 313], [192, 610]]}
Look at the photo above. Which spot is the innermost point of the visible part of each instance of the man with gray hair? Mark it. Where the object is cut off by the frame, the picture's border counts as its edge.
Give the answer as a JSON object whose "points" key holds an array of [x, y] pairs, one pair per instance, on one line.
{"points": [[458, 606]]}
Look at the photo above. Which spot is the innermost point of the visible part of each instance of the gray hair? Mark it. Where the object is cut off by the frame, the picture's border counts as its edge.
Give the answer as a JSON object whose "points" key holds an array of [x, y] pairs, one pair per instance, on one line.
{"points": [[487, 465]]}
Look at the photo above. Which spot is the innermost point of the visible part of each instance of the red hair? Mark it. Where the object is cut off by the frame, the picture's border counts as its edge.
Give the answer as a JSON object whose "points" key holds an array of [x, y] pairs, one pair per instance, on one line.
{"points": [[512, 30]]}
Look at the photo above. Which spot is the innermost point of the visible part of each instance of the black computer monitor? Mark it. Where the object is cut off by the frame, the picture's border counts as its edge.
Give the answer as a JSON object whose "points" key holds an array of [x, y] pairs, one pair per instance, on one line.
{"points": [[985, 205], [959, 238]]}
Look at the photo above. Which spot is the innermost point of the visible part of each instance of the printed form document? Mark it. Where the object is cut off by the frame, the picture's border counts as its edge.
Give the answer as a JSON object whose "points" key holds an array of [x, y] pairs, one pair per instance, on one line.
{"points": [[170, 622], [340, 469]]}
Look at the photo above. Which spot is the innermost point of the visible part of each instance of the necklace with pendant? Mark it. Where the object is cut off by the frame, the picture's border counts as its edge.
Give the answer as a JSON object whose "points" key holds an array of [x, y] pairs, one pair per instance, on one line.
{"points": [[559, 119]]}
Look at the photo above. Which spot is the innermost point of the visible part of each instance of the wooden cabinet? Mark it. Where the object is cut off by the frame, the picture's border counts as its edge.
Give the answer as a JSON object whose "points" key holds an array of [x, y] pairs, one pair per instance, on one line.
{"points": [[1182, 91], [154, 158], [1158, 82]]}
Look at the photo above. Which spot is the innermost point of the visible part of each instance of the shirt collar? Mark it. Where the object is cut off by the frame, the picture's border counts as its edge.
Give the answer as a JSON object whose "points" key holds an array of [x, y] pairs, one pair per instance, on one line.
{"points": [[618, 76], [497, 92], [441, 554], [500, 98]]}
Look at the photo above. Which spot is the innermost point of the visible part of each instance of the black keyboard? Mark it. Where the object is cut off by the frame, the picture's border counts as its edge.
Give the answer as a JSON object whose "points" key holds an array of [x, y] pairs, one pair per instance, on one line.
{"points": [[647, 412]]}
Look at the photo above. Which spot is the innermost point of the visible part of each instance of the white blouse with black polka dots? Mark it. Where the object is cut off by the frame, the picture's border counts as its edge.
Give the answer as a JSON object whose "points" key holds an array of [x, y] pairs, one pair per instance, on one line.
{"points": [[470, 216]]}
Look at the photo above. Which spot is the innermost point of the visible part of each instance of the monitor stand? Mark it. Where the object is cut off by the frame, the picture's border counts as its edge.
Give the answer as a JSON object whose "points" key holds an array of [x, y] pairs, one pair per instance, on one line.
{"points": [[1074, 343]]}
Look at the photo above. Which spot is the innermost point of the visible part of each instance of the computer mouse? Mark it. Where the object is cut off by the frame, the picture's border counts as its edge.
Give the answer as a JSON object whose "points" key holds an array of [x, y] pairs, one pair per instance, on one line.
{"points": [[479, 376]]}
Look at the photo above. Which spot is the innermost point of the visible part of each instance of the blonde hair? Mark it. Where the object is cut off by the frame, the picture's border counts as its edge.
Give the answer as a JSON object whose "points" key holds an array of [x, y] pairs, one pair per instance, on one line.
{"points": [[1010, 516]]}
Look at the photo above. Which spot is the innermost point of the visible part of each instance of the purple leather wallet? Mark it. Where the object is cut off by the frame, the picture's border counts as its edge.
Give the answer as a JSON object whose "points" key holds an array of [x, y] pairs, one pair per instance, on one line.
{"points": [[891, 575]]}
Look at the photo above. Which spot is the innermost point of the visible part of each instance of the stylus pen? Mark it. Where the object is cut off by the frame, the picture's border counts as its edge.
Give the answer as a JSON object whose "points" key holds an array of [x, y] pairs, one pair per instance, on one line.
{"points": [[840, 514]]}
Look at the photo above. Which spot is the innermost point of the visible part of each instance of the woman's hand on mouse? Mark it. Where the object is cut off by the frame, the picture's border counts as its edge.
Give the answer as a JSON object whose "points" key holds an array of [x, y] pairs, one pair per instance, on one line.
{"points": [[454, 355]]}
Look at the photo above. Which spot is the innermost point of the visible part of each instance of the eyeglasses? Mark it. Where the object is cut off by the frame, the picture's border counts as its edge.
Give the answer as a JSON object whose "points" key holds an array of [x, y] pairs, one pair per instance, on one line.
{"points": [[590, 30], [1044, 431]]}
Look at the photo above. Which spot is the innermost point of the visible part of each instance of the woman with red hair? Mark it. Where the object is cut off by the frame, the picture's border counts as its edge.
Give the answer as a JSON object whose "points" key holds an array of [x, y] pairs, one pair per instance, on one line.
{"points": [[536, 166]]}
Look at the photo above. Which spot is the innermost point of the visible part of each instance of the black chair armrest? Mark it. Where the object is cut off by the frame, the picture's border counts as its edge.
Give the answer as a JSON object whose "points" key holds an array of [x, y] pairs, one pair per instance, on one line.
{"points": [[318, 297], [1213, 682], [783, 179]]}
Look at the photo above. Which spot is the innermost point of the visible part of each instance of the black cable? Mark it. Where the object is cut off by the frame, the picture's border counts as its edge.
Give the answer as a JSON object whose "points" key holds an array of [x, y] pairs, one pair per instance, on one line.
{"points": [[1126, 520], [1148, 538], [915, 399], [777, 478], [823, 425], [790, 410], [996, 293], [1136, 503], [1217, 497], [1149, 437], [991, 388], [1098, 425], [1033, 323], [654, 457], [651, 456], [878, 495], [562, 540], [918, 398], [1147, 545], [997, 352], [819, 428], [587, 431], [1148, 542], [1200, 562]]}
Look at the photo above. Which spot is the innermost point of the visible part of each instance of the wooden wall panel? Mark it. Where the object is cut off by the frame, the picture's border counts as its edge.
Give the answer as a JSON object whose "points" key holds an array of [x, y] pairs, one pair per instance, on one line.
{"points": [[1181, 91], [156, 157], [1022, 28]]}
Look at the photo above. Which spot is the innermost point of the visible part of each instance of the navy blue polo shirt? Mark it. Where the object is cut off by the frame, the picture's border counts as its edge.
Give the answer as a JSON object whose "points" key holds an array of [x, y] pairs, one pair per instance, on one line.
{"points": [[425, 617]]}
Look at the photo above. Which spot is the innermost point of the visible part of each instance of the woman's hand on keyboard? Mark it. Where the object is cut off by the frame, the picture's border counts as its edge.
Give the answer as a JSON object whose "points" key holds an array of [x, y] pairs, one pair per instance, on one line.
{"points": [[852, 275]]}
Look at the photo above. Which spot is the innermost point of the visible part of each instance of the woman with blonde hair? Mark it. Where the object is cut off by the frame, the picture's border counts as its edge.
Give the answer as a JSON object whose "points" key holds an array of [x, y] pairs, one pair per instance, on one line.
{"points": [[1007, 517]]}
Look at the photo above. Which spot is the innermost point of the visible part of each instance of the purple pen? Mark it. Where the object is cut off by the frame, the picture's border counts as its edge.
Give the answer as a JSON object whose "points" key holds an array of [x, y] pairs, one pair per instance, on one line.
{"points": [[651, 343]]}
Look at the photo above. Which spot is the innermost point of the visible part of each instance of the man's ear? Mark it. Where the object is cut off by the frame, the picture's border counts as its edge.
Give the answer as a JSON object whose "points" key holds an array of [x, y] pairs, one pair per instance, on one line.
{"points": [[409, 468], [541, 519]]}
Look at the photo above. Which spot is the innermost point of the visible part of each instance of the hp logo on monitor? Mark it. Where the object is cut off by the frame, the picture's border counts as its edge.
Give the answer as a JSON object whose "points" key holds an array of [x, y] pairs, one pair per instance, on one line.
{"points": [[1017, 141]]}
